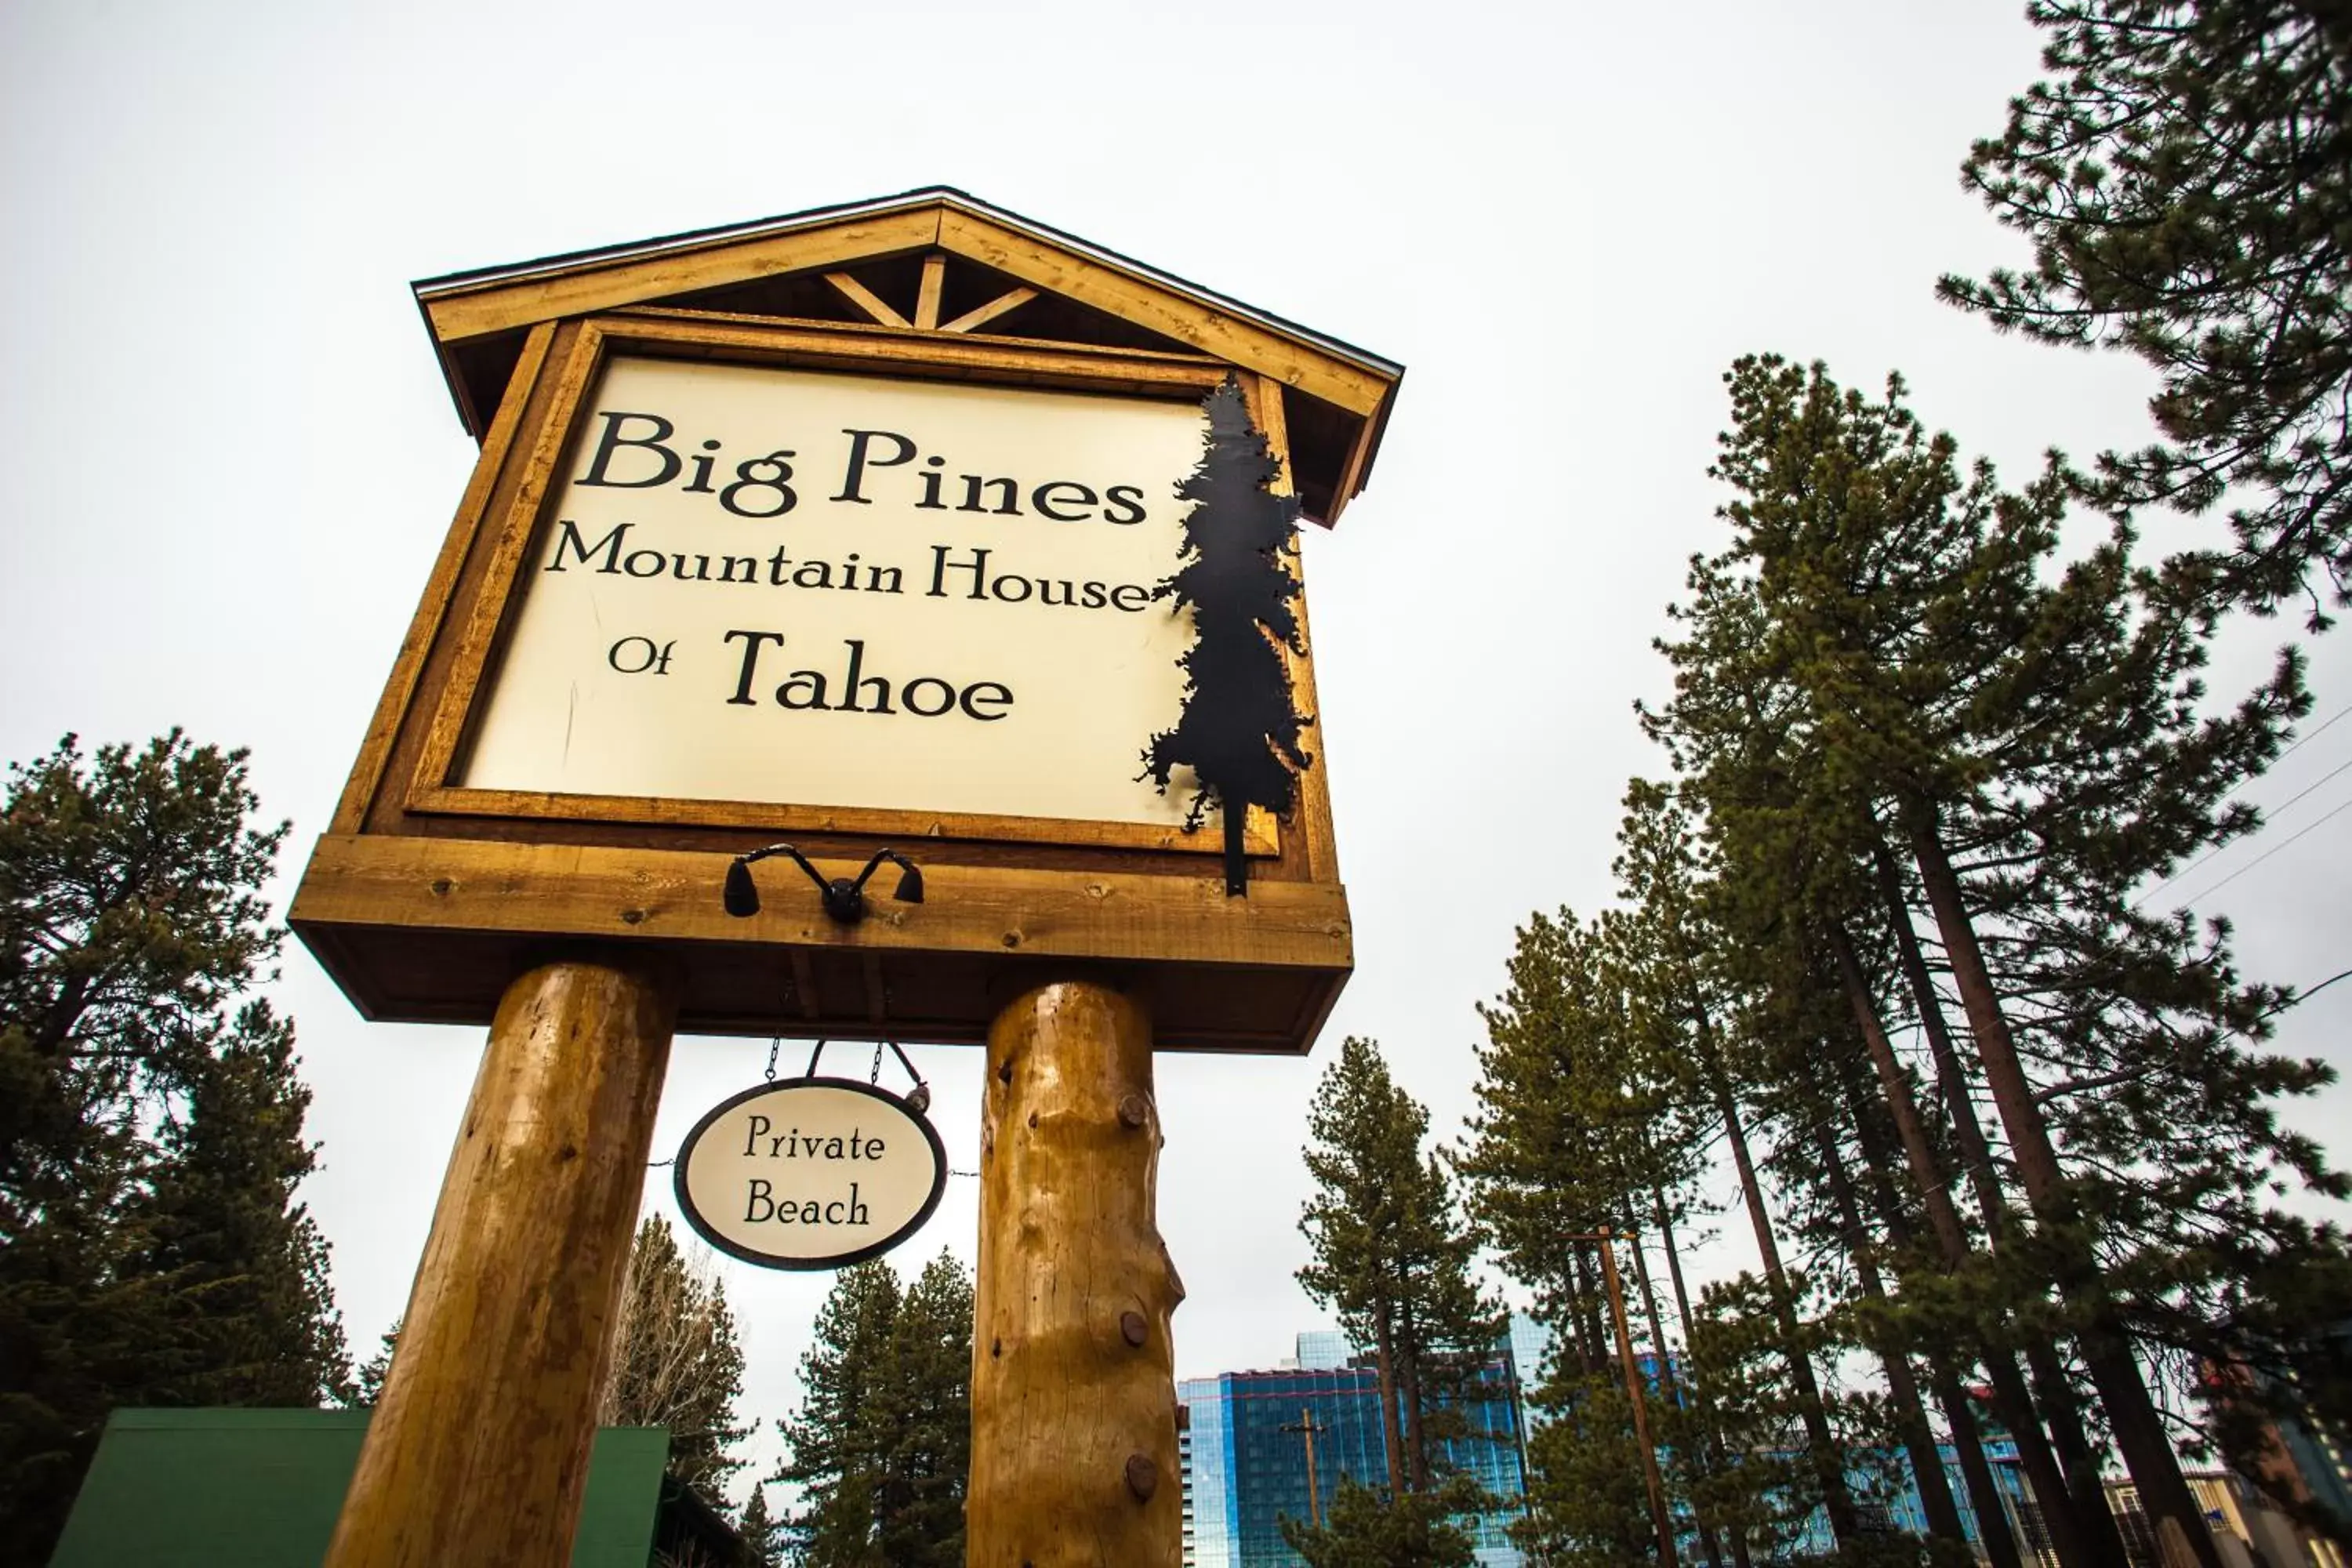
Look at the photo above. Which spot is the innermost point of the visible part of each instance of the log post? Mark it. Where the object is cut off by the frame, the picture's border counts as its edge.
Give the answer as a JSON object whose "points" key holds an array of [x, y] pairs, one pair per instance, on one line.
{"points": [[478, 1451], [1073, 1385]]}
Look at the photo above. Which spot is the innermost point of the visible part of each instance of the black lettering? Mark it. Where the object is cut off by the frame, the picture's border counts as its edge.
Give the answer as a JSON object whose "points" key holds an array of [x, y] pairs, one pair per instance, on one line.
{"points": [[873, 1151], [700, 484], [1008, 499], [823, 577], [1043, 499], [1046, 586], [759, 1195], [1123, 504], [833, 1212], [1121, 597], [1002, 592], [753, 642], [860, 443], [931, 501], [778, 481], [947, 696], [568, 532], [886, 580], [972, 699], [760, 1125], [809, 686], [657, 562], [728, 563], [1097, 598], [941, 566], [612, 441], [857, 1211], [853, 688]]}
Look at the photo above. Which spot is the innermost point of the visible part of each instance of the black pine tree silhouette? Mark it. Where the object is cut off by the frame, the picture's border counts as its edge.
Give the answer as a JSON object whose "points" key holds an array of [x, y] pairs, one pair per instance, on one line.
{"points": [[1239, 731]]}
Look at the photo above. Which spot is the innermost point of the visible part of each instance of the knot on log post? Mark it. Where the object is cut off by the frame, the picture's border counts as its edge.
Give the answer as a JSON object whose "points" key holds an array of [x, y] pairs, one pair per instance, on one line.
{"points": [[1133, 1329], [1132, 1110], [1142, 1477]]}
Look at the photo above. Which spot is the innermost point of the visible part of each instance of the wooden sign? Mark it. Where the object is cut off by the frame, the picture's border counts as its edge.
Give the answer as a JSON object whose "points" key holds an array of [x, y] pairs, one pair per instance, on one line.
{"points": [[753, 557], [816, 1172], [869, 537]]}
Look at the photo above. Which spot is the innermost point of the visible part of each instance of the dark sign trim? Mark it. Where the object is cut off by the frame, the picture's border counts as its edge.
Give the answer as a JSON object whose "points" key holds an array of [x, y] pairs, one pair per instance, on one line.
{"points": [[832, 1260]]}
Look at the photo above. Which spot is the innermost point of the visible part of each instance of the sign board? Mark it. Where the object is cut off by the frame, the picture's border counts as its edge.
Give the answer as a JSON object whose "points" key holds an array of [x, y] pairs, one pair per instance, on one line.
{"points": [[754, 555], [817, 1172], [776, 585]]}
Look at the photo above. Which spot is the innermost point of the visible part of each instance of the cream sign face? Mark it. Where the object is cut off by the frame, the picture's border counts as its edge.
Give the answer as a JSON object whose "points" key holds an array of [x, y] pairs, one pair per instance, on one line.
{"points": [[815, 1173], [813, 589]]}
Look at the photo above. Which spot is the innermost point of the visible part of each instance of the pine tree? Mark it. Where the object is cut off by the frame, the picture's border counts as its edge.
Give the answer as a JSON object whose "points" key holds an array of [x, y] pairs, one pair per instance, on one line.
{"points": [[1391, 1256], [367, 1383], [831, 1453], [758, 1531], [150, 1118], [880, 1448], [1239, 731], [1890, 647], [676, 1362], [924, 1416], [2185, 177], [1369, 1529]]}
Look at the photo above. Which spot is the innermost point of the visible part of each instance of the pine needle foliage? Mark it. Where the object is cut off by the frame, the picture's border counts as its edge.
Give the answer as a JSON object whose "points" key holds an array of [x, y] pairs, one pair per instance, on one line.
{"points": [[152, 1250], [2184, 174]]}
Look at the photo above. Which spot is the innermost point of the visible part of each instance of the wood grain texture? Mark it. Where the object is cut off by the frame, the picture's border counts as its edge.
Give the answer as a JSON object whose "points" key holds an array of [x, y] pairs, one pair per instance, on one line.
{"points": [[927, 299], [637, 895], [1074, 1458], [865, 299], [1232, 339], [496, 307], [425, 624], [478, 1451], [1312, 817], [981, 315]]}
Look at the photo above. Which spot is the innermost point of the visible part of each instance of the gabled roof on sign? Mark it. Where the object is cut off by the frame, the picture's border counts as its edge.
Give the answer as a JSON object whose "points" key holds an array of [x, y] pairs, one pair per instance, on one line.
{"points": [[805, 265]]}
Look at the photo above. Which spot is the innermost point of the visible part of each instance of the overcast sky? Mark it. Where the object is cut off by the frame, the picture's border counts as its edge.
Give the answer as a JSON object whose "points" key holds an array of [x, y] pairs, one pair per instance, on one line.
{"points": [[227, 458]]}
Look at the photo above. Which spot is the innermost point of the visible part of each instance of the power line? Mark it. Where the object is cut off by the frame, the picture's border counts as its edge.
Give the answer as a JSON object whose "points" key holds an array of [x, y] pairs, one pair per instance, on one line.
{"points": [[2310, 735], [2273, 811], [2265, 855]]}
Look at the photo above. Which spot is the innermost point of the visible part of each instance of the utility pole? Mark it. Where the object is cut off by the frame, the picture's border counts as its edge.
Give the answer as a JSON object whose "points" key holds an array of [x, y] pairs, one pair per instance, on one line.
{"points": [[1661, 1519], [1305, 1425]]}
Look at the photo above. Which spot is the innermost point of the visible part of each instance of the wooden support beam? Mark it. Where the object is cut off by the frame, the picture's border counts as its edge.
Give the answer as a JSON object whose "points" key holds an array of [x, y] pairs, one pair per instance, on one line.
{"points": [[479, 309], [927, 302], [1072, 1388], [865, 299], [1012, 300], [478, 1450]]}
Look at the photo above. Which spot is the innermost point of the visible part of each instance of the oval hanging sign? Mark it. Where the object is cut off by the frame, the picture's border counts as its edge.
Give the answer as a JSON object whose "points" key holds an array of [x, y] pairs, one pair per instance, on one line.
{"points": [[813, 1173]]}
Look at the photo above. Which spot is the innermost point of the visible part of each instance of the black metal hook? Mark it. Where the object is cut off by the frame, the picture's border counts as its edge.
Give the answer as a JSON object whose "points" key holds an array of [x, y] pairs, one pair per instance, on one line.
{"points": [[844, 897]]}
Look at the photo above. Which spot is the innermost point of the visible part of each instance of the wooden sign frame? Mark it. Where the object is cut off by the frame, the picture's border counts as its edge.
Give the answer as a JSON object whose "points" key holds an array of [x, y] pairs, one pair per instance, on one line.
{"points": [[424, 897]]}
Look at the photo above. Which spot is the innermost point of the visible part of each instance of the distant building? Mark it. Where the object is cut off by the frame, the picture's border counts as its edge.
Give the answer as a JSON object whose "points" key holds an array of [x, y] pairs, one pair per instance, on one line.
{"points": [[1243, 1472]]}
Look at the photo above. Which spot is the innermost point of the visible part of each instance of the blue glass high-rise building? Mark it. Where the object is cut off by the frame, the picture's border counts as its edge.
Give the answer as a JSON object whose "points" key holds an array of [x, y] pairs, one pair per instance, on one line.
{"points": [[1244, 1453]]}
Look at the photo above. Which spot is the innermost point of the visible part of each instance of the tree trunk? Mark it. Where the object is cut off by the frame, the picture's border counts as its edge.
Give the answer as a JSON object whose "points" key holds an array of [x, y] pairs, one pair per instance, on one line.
{"points": [[1416, 1441], [1829, 1462], [2075, 1540], [1901, 1384], [1668, 1384], [2107, 1350], [479, 1448], [1073, 1389], [2089, 1520], [1698, 1390], [1392, 1430]]}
